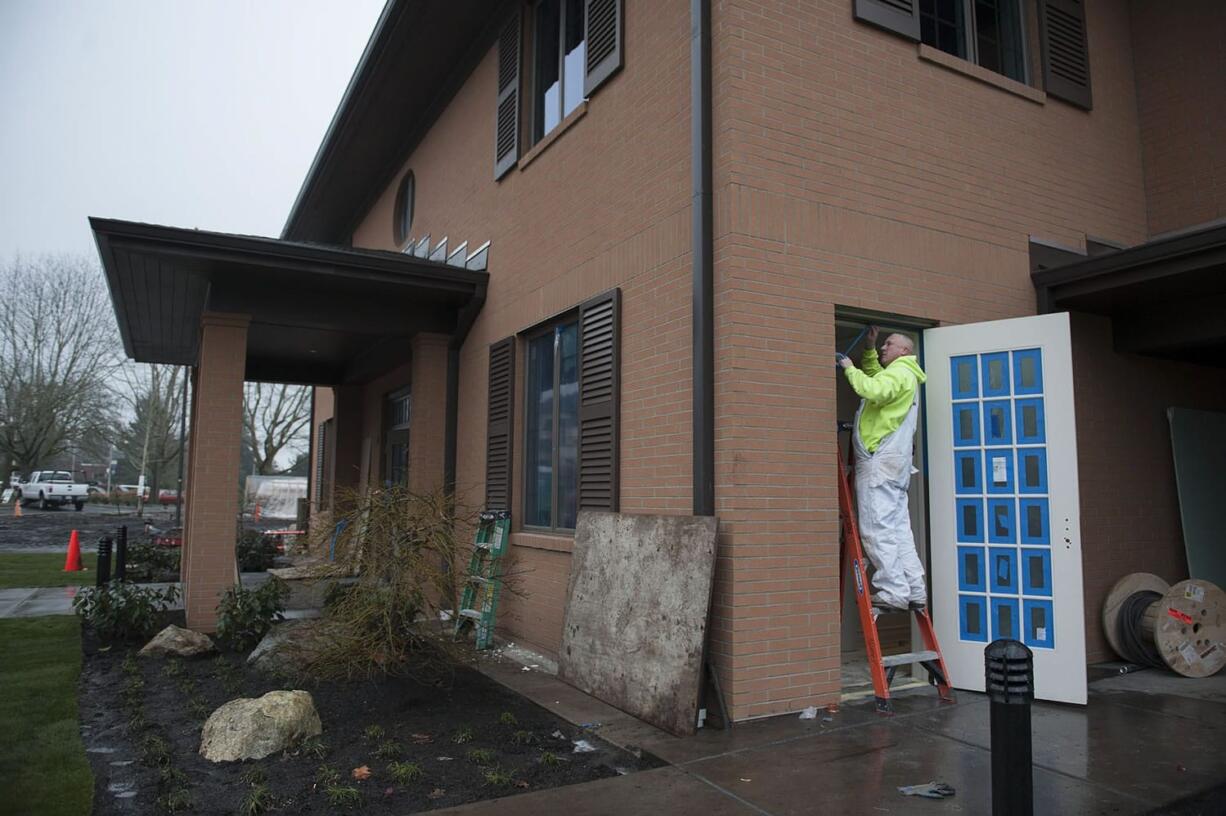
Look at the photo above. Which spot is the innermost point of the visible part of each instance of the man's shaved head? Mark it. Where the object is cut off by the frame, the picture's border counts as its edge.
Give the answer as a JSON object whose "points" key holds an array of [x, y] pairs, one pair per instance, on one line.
{"points": [[896, 345]]}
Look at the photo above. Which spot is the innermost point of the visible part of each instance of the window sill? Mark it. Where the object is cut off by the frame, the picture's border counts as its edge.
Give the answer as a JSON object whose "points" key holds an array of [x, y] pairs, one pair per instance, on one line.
{"points": [[552, 542], [543, 541], [961, 66], [552, 136]]}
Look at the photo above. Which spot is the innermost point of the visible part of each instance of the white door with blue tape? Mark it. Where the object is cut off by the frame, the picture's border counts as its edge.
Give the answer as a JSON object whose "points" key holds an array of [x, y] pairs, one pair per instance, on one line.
{"points": [[1004, 509]]}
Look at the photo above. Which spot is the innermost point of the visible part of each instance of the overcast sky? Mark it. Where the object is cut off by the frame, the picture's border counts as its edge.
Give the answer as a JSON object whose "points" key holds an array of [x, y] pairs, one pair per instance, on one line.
{"points": [[190, 113]]}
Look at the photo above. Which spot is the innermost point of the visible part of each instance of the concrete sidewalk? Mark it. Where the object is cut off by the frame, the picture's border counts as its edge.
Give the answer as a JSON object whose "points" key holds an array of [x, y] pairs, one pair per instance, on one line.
{"points": [[1144, 741], [33, 602]]}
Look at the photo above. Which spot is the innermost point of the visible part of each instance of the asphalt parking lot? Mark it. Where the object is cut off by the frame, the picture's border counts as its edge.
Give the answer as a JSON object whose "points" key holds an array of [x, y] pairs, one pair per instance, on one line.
{"points": [[48, 530]]}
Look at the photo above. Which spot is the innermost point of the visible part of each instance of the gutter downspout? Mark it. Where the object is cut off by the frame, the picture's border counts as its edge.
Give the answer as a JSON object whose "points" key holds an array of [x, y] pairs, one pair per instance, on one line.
{"points": [[464, 323], [703, 250]]}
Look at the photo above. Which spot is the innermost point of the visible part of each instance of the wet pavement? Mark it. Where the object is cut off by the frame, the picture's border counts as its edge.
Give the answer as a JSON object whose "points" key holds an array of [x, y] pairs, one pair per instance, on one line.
{"points": [[1144, 741]]}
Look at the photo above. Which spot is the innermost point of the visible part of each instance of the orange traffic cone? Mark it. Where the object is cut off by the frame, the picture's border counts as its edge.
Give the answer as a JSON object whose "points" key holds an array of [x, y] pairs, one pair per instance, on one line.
{"points": [[17, 508], [73, 562], [257, 512]]}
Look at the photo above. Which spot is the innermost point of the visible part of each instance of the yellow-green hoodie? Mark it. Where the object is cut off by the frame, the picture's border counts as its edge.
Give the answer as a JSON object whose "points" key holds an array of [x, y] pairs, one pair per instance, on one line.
{"points": [[888, 393]]}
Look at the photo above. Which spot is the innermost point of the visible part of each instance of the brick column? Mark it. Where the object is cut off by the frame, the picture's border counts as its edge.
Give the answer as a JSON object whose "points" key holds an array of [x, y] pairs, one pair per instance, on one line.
{"points": [[209, 535], [428, 423]]}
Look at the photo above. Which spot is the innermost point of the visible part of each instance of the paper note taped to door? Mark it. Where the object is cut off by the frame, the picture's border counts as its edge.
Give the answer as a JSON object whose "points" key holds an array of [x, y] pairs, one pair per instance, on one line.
{"points": [[1040, 633], [1000, 470]]}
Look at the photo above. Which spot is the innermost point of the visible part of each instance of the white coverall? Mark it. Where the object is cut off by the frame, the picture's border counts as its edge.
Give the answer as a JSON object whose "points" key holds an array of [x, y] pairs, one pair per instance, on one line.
{"points": [[882, 479]]}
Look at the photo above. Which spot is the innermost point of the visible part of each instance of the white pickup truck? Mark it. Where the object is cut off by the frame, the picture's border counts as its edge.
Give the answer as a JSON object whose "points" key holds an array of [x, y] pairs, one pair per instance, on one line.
{"points": [[49, 487]]}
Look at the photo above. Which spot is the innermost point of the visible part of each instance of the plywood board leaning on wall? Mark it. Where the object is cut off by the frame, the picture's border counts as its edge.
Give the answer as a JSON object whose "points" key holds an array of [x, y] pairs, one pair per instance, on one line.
{"points": [[1198, 442], [636, 613]]}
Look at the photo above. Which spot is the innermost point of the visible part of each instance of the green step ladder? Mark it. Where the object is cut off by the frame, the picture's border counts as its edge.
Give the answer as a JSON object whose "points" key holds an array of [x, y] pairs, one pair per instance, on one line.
{"points": [[483, 583]]}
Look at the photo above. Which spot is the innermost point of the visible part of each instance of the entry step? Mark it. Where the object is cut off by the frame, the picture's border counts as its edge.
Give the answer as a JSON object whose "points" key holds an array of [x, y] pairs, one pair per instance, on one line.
{"points": [[907, 659]]}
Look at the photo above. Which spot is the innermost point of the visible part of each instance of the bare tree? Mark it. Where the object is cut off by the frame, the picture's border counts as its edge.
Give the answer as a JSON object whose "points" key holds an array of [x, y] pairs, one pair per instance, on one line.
{"points": [[58, 350], [276, 418], [154, 397]]}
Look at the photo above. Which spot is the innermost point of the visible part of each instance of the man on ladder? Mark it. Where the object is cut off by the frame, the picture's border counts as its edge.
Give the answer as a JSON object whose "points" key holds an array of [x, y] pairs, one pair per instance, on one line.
{"points": [[883, 438]]}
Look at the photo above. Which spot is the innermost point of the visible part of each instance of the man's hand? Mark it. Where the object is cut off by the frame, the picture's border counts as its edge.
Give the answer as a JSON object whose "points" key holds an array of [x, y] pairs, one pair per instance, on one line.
{"points": [[843, 360], [871, 337]]}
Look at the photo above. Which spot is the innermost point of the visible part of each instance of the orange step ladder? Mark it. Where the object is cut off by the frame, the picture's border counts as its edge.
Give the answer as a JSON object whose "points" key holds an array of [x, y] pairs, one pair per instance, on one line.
{"points": [[882, 668]]}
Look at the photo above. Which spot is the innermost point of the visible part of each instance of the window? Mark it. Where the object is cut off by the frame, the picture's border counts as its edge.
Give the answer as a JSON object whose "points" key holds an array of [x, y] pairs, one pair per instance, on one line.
{"points": [[575, 46], [403, 214], [551, 438], [558, 62], [396, 439], [986, 32]]}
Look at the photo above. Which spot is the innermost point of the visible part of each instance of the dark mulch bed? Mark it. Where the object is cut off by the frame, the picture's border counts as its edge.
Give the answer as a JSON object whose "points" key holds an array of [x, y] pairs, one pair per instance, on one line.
{"points": [[423, 720]]}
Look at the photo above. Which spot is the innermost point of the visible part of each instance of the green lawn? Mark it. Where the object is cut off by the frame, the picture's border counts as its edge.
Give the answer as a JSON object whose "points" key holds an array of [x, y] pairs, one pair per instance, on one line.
{"points": [[42, 570], [42, 760]]}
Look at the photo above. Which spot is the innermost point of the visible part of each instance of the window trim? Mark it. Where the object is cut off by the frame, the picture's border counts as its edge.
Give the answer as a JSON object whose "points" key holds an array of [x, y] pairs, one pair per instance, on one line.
{"points": [[402, 231], [526, 337]]}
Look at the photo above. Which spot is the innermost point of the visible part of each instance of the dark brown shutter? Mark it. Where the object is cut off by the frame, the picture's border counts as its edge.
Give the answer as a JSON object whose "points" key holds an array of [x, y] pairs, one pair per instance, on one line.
{"points": [[499, 427], [897, 16], [603, 32], [506, 132], [1066, 57], [599, 400]]}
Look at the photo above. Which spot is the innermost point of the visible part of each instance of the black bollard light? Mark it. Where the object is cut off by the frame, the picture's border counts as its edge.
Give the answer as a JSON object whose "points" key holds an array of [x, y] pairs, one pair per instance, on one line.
{"points": [[104, 561], [1010, 685], [121, 553]]}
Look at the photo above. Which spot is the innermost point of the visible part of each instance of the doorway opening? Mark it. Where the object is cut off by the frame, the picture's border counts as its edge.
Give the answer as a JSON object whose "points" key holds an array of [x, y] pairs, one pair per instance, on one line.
{"points": [[898, 632]]}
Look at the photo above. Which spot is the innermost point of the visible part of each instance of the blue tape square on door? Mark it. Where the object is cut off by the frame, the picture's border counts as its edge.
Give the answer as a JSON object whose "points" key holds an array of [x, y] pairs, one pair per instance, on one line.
{"points": [[1030, 422], [1002, 569], [968, 472], [997, 423], [1034, 526], [1004, 618], [1036, 571], [994, 369], [1028, 372], [998, 470], [971, 570], [1031, 470], [972, 617], [1040, 630], [1001, 526], [964, 377], [966, 424], [970, 520]]}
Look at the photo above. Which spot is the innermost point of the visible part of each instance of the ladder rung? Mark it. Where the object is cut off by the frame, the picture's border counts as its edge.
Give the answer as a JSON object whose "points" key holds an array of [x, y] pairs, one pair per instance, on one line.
{"points": [[475, 614], [908, 658]]}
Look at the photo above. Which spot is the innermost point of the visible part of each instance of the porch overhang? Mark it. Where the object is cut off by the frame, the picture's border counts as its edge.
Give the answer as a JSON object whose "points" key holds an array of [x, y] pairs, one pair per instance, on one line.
{"points": [[320, 315], [1164, 297]]}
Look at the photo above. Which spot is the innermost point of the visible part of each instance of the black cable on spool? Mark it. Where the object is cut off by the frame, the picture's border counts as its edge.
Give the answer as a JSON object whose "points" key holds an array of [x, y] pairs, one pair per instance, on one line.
{"points": [[1136, 647]]}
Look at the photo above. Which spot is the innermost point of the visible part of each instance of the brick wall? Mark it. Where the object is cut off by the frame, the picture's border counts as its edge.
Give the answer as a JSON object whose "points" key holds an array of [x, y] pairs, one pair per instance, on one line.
{"points": [[1129, 502], [605, 205], [1181, 97], [852, 172]]}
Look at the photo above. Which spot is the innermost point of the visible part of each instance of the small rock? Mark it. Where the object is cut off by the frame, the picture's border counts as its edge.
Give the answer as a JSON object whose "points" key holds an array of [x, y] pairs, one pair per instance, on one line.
{"points": [[254, 728], [177, 641]]}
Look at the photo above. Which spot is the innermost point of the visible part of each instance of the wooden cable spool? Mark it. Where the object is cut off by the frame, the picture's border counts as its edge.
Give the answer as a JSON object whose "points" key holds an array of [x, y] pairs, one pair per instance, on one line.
{"points": [[1187, 624]]}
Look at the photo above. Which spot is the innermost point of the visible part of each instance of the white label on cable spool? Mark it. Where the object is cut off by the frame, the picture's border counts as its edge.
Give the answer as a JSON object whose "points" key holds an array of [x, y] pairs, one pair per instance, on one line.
{"points": [[1189, 652], [1000, 471], [1194, 593]]}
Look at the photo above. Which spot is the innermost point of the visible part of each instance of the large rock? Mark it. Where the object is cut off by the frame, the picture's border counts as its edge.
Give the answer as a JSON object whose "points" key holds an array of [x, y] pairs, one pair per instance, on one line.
{"points": [[286, 647], [254, 728], [180, 642]]}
